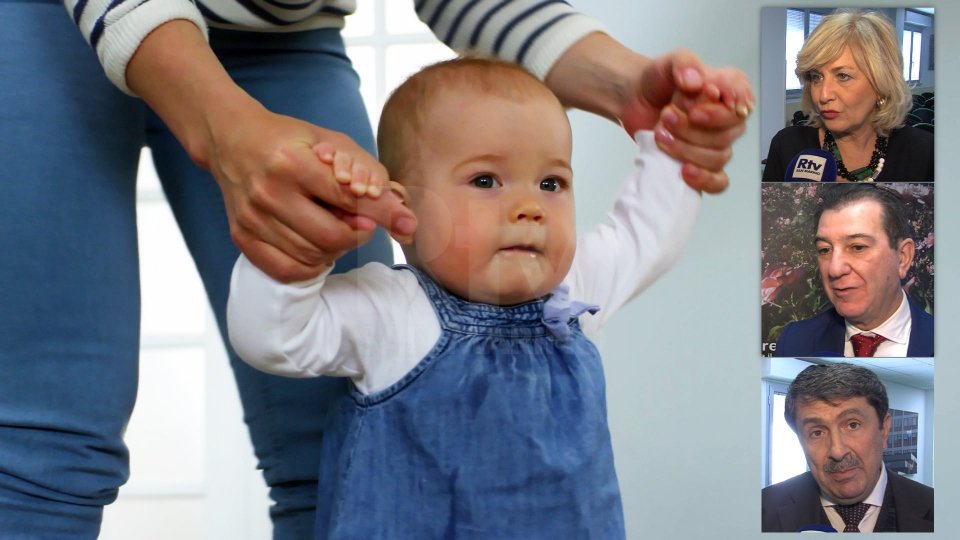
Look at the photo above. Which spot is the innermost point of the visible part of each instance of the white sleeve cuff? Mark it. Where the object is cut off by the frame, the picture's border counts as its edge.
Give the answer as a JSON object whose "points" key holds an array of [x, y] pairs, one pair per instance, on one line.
{"points": [[122, 37]]}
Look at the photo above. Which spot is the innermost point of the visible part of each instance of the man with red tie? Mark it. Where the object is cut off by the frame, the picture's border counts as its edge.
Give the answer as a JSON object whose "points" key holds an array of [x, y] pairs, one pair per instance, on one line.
{"points": [[840, 414], [864, 251]]}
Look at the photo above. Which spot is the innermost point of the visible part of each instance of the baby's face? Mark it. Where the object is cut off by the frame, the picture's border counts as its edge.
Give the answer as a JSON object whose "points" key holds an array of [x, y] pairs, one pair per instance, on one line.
{"points": [[492, 190]]}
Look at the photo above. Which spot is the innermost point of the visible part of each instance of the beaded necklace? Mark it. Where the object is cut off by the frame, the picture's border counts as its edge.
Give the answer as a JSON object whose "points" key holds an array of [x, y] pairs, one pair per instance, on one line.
{"points": [[863, 174]]}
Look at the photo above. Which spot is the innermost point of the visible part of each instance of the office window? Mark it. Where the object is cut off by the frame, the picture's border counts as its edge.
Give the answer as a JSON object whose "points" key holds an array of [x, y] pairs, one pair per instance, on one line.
{"points": [[800, 22], [387, 43], [786, 455], [902, 453], [912, 47]]}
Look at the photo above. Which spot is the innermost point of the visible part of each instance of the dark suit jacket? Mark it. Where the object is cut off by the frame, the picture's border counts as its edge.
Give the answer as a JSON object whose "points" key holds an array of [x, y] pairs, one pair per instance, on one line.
{"points": [[795, 503], [909, 154], [823, 335]]}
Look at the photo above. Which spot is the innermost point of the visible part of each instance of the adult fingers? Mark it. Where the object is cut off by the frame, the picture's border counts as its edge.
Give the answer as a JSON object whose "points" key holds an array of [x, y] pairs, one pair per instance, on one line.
{"points": [[703, 114], [704, 180], [678, 70], [317, 235], [704, 147], [711, 126], [277, 263], [687, 71]]}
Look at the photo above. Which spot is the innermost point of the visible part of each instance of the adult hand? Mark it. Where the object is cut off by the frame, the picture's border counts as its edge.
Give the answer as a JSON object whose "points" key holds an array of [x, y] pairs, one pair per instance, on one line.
{"points": [[287, 212], [696, 112], [699, 111]]}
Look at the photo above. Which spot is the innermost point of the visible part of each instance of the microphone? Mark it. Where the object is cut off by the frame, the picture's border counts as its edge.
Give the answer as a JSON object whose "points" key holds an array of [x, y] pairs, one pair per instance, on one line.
{"points": [[812, 165], [815, 528]]}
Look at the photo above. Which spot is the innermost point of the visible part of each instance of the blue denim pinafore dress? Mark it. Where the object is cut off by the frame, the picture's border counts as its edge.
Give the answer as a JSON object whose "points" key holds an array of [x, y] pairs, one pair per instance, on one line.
{"points": [[499, 432]]}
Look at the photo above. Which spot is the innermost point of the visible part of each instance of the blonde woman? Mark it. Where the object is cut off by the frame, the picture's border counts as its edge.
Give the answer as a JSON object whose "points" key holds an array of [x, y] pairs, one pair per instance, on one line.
{"points": [[854, 92]]}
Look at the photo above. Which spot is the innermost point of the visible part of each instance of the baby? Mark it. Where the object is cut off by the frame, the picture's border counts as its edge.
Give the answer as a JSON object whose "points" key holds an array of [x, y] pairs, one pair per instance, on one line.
{"points": [[478, 407]]}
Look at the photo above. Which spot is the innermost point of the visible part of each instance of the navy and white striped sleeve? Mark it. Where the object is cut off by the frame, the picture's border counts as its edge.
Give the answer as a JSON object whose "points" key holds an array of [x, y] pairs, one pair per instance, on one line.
{"points": [[115, 28], [533, 33]]}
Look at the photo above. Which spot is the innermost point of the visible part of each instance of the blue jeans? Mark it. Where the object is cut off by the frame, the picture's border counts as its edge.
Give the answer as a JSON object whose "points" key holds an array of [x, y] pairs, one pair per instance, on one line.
{"points": [[69, 307]]}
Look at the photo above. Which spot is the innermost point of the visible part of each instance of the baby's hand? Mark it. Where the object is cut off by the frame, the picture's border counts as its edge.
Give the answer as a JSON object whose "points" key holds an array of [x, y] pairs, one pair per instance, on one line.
{"points": [[700, 111], [728, 86], [349, 172], [362, 183]]}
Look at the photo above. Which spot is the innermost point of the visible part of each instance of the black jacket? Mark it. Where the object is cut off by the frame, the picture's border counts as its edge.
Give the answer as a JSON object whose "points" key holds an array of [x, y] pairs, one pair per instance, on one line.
{"points": [[795, 503], [909, 154]]}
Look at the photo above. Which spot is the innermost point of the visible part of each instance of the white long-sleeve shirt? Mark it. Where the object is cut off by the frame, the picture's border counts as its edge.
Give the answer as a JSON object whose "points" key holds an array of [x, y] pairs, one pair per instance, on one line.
{"points": [[374, 324], [532, 33]]}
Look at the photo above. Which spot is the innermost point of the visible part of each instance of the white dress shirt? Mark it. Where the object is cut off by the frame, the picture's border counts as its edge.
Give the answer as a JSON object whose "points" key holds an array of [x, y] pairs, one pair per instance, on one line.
{"points": [[896, 330], [875, 500]]}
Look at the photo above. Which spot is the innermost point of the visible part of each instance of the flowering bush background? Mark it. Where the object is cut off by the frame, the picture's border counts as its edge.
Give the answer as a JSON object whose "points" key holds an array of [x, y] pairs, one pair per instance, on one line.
{"points": [[790, 284]]}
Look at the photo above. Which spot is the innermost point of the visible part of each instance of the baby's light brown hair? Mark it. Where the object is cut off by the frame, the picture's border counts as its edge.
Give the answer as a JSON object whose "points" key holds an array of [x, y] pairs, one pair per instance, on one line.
{"points": [[405, 112]]}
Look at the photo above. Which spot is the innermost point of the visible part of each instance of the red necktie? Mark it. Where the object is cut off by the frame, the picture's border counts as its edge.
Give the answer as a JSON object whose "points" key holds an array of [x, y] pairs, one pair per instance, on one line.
{"points": [[864, 345], [852, 514]]}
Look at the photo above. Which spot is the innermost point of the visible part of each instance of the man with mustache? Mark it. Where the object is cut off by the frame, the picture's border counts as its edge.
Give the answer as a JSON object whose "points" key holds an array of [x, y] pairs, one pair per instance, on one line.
{"points": [[864, 249], [840, 414]]}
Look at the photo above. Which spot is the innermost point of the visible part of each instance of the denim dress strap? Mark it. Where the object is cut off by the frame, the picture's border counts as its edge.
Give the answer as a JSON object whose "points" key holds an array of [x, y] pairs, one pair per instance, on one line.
{"points": [[459, 315]]}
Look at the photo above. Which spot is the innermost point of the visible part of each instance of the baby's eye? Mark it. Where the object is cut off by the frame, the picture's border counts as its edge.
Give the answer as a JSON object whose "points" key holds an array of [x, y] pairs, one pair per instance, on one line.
{"points": [[485, 181], [551, 184]]}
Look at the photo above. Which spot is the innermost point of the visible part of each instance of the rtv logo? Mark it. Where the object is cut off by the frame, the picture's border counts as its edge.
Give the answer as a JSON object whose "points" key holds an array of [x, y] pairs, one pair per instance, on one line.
{"points": [[809, 167]]}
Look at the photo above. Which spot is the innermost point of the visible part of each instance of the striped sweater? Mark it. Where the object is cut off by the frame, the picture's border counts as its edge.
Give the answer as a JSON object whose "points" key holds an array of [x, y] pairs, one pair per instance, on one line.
{"points": [[533, 33]]}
